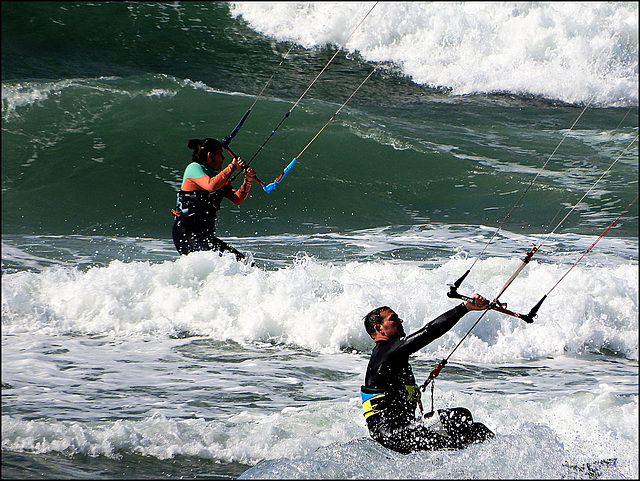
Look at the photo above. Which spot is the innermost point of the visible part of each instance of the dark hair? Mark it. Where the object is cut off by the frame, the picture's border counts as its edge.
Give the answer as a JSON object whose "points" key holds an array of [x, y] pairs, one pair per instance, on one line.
{"points": [[373, 318], [201, 147]]}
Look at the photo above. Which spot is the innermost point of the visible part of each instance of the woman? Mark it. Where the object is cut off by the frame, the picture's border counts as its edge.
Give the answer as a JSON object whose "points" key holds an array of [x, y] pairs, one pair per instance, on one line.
{"points": [[203, 188]]}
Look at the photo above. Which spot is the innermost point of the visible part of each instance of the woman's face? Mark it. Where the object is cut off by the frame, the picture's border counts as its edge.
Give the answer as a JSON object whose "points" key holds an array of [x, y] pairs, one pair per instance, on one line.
{"points": [[214, 160]]}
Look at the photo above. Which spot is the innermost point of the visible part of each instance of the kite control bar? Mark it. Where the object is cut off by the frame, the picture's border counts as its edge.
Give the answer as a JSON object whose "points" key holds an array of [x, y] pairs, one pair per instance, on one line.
{"points": [[497, 305], [235, 157]]}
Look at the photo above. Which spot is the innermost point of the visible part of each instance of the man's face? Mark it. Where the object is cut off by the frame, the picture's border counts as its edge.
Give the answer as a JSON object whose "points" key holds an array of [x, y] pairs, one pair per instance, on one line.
{"points": [[391, 325]]}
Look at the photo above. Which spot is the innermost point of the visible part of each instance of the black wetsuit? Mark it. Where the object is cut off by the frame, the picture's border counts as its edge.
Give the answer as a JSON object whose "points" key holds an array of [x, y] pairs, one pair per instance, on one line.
{"points": [[390, 396], [194, 229]]}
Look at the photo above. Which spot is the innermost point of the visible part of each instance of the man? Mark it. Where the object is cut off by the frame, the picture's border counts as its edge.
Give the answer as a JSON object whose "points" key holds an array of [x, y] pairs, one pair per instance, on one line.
{"points": [[390, 394]]}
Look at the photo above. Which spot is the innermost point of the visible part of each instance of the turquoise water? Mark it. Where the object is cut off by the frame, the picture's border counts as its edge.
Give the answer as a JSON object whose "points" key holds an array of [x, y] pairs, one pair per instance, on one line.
{"points": [[121, 359]]}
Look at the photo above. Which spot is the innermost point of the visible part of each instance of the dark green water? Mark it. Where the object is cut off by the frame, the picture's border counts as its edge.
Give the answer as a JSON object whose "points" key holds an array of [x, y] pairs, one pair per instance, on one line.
{"points": [[95, 129]]}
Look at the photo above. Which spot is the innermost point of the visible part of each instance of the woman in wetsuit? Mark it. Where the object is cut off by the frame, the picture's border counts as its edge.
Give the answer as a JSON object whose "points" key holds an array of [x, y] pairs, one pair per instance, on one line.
{"points": [[204, 185], [390, 394]]}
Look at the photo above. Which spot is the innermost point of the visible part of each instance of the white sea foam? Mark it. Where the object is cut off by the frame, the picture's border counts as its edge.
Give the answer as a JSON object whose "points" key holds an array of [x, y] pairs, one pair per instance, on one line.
{"points": [[319, 305], [575, 52], [539, 436], [243, 438], [108, 349], [17, 95]]}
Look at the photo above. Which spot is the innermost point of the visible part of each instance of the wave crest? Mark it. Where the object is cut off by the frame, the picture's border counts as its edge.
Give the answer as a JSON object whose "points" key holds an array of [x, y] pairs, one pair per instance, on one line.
{"points": [[577, 52]]}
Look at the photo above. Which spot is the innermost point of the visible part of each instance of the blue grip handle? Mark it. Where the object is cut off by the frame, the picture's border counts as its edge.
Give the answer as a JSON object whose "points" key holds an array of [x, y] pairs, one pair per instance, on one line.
{"points": [[272, 186]]}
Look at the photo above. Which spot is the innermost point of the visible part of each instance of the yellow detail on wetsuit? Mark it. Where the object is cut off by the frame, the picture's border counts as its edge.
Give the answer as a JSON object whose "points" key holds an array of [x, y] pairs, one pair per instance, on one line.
{"points": [[370, 403], [413, 392]]}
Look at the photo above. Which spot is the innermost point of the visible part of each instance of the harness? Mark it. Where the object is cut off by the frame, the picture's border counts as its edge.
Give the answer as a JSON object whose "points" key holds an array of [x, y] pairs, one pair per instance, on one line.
{"points": [[374, 400], [198, 204]]}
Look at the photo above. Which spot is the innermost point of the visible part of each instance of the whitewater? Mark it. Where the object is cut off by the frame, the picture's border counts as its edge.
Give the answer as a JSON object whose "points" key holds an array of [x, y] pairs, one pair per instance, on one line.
{"points": [[122, 359], [582, 52]]}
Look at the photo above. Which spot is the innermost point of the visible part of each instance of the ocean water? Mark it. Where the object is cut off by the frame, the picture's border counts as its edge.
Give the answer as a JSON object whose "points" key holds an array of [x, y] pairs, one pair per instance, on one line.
{"points": [[485, 129]]}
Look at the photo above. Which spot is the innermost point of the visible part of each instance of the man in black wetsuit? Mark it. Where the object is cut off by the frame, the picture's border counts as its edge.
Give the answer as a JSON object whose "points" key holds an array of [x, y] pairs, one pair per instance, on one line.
{"points": [[390, 394]]}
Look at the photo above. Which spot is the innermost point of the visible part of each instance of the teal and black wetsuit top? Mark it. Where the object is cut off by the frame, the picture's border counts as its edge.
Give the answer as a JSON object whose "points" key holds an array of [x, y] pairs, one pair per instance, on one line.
{"points": [[199, 198], [197, 206], [390, 394]]}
